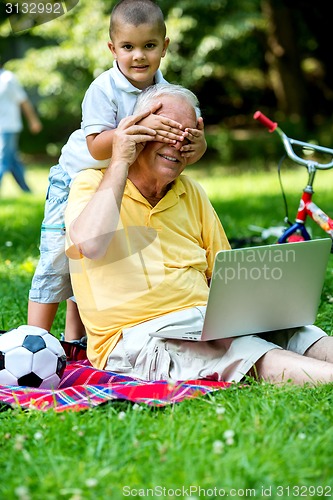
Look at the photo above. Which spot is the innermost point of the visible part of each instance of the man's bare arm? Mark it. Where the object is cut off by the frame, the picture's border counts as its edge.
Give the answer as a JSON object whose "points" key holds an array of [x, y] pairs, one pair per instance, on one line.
{"points": [[93, 230]]}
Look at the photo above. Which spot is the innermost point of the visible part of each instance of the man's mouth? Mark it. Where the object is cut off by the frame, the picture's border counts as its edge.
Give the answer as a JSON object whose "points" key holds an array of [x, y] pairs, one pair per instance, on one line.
{"points": [[140, 67], [169, 158]]}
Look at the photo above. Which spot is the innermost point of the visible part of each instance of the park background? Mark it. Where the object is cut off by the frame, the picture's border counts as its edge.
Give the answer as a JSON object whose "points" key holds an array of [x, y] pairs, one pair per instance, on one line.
{"points": [[237, 56], [257, 440]]}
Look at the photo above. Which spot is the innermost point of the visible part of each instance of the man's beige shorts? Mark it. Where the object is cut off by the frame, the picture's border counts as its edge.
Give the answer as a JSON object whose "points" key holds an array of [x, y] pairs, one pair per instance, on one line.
{"points": [[150, 358]]}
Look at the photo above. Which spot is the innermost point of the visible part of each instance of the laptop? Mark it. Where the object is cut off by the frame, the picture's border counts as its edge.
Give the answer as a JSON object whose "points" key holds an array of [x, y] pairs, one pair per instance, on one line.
{"points": [[261, 289]]}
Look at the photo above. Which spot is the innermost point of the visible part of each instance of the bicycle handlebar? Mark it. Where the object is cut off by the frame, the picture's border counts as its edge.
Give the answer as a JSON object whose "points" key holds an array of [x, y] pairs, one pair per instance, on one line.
{"points": [[288, 144], [258, 115]]}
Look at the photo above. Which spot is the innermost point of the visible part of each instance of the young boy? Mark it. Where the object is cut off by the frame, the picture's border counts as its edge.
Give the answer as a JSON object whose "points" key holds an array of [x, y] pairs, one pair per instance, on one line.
{"points": [[138, 42]]}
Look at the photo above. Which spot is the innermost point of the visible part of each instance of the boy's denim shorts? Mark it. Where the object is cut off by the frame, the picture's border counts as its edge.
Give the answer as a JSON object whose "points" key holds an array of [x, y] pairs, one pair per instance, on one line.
{"points": [[51, 281]]}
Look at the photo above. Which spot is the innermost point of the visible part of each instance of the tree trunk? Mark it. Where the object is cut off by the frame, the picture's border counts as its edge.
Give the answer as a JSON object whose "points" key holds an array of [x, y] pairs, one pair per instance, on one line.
{"points": [[283, 59]]}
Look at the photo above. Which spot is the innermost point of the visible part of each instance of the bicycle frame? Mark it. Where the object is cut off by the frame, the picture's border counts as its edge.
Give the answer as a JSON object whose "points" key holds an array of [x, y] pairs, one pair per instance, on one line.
{"points": [[307, 207]]}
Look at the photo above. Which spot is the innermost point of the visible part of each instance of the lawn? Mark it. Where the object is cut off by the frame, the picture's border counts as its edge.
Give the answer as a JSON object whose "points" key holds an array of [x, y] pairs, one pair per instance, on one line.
{"points": [[255, 441]]}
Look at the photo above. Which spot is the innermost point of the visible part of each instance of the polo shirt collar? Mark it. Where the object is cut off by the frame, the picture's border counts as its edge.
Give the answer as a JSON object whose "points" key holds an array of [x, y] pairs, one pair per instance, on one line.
{"points": [[171, 198]]}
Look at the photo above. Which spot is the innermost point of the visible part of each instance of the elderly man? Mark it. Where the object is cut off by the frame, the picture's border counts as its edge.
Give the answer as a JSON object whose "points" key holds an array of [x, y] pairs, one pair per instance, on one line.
{"points": [[142, 241]]}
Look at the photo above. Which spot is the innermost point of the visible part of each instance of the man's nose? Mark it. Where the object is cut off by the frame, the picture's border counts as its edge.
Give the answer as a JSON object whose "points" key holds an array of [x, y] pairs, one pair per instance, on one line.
{"points": [[177, 145]]}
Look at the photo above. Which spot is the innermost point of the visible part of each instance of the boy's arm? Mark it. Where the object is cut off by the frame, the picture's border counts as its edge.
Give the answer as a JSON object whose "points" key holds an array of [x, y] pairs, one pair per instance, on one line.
{"points": [[197, 145], [100, 145], [169, 131]]}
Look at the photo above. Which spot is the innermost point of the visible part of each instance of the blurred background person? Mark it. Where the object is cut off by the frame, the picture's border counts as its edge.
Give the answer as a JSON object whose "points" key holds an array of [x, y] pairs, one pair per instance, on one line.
{"points": [[13, 103]]}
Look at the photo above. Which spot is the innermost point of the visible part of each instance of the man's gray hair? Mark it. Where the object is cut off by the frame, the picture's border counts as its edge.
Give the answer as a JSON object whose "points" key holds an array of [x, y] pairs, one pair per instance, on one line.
{"points": [[155, 92]]}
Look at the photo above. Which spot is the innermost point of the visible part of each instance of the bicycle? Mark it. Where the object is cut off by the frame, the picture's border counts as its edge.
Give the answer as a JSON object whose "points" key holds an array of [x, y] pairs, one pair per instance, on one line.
{"points": [[297, 230]]}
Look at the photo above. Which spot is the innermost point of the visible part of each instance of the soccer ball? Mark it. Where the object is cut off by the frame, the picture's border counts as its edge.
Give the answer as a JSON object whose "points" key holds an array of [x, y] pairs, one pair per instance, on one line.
{"points": [[31, 356]]}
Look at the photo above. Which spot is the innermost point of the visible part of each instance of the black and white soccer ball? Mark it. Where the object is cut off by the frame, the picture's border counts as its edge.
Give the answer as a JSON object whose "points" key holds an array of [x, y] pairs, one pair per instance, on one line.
{"points": [[31, 356]]}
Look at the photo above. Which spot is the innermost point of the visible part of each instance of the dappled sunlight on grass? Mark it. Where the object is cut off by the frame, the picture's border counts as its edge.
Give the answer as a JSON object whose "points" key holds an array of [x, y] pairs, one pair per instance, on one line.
{"points": [[222, 183], [249, 198], [20, 219]]}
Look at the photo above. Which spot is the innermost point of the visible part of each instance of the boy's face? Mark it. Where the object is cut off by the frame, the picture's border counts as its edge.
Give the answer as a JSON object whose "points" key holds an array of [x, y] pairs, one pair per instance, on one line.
{"points": [[138, 51]]}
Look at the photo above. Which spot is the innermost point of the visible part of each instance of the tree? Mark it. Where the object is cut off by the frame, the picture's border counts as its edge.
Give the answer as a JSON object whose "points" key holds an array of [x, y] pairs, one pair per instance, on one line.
{"points": [[236, 56], [210, 44], [283, 58], [299, 58]]}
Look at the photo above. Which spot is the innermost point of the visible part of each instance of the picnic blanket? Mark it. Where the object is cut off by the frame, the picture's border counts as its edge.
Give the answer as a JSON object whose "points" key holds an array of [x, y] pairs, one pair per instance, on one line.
{"points": [[82, 387]]}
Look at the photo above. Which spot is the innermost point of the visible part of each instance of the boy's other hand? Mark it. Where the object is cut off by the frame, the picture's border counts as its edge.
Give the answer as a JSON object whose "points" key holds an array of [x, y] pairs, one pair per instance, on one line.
{"points": [[196, 145]]}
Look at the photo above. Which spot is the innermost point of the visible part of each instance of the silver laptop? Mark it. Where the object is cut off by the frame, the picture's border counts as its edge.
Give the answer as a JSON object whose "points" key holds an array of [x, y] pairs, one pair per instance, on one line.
{"points": [[260, 289]]}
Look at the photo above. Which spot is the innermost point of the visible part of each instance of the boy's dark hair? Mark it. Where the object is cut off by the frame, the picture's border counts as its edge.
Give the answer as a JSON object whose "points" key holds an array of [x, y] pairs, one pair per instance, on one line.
{"points": [[137, 12]]}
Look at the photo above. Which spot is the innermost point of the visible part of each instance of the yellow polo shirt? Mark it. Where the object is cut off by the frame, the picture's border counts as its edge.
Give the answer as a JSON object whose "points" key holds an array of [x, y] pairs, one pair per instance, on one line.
{"points": [[158, 261]]}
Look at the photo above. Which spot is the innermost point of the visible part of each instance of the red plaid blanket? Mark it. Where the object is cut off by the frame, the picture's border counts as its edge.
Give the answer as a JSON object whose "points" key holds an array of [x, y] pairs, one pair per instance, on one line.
{"points": [[83, 387]]}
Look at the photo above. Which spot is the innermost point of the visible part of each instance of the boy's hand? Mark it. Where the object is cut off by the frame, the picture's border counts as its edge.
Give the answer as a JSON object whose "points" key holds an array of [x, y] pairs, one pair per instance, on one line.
{"points": [[167, 130], [197, 145]]}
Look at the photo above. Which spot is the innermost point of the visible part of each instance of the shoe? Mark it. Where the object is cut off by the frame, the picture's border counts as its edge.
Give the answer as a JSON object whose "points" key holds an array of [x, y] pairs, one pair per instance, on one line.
{"points": [[81, 342]]}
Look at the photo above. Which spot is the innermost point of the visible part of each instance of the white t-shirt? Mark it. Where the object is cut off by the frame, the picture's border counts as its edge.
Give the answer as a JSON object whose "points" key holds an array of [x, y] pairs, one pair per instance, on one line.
{"points": [[11, 96], [109, 99]]}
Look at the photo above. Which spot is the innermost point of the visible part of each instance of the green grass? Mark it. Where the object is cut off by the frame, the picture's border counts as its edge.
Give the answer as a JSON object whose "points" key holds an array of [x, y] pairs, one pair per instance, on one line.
{"points": [[241, 440]]}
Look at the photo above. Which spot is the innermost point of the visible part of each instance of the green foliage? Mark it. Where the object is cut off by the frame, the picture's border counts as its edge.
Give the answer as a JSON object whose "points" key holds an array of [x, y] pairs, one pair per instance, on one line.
{"points": [[219, 49], [209, 41], [75, 51]]}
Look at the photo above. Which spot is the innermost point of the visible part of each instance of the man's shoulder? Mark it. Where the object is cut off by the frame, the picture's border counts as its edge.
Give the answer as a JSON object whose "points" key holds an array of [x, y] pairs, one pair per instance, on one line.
{"points": [[193, 189], [190, 183], [89, 177]]}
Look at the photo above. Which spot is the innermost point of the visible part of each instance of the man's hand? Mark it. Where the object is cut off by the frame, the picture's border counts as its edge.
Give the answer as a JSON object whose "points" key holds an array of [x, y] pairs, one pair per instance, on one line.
{"points": [[197, 145], [130, 138]]}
